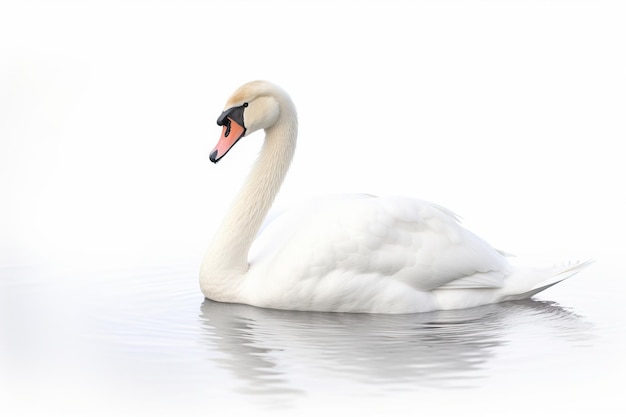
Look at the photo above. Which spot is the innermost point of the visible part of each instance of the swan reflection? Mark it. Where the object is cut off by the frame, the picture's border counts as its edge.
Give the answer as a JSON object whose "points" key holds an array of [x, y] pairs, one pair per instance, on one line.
{"points": [[264, 348]]}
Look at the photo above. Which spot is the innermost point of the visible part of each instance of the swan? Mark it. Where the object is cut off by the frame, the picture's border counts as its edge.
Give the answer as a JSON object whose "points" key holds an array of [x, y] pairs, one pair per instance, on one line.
{"points": [[348, 253]]}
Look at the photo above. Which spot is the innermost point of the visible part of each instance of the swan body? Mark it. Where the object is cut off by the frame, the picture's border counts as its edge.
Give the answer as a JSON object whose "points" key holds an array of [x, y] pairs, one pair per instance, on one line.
{"points": [[349, 253]]}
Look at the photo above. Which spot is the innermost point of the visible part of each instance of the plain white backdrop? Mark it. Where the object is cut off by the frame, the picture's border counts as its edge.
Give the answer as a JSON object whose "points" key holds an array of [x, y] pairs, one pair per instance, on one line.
{"points": [[510, 113]]}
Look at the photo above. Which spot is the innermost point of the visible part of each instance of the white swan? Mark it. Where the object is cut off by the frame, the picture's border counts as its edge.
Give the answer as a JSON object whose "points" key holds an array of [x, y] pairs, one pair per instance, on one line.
{"points": [[356, 253]]}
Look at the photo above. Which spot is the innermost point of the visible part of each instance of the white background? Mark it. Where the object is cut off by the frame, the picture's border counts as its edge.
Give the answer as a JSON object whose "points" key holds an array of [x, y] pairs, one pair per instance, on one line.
{"points": [[510, 113]]}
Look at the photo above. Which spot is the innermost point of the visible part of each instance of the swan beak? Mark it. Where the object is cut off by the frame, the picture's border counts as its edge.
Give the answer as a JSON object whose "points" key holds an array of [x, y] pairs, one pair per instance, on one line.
{"points": [[231, 133]]}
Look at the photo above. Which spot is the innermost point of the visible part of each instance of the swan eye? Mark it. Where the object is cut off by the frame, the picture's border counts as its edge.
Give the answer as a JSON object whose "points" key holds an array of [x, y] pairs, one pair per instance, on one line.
{"points": [[245, 104]]}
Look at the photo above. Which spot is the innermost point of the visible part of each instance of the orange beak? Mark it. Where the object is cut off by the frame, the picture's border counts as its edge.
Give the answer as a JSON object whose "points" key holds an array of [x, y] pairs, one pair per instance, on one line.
{"points": [[231, 133]]}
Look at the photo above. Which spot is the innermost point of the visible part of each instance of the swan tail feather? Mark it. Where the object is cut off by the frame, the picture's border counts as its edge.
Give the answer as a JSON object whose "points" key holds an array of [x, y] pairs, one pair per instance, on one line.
{"points": [[554, 276], [530, 293]]}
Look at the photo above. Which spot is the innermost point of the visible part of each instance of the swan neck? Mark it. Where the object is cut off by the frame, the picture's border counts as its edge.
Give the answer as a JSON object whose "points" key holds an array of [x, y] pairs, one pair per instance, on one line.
{"points": [[229, 251]]}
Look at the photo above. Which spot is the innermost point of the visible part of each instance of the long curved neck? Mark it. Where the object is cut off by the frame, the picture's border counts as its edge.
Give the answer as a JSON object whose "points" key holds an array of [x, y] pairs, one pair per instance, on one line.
{"points": [[229, 250]]}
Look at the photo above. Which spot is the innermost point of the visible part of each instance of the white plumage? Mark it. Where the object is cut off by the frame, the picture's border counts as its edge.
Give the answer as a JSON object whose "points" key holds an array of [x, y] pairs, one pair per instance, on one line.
{"points": [[354, 253]]}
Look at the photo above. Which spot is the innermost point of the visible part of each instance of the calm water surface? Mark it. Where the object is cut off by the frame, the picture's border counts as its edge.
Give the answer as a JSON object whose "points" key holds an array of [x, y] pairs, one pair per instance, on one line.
{"points": [[143, 341]]}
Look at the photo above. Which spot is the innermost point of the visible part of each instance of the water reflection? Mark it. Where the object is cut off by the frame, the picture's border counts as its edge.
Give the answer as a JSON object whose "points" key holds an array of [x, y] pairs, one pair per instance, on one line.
{"points": [[264, 348], [141, 335]]}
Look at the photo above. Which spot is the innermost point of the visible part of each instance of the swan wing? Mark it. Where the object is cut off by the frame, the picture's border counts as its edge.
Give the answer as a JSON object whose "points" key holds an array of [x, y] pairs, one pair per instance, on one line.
{"points": [[415, 242]]}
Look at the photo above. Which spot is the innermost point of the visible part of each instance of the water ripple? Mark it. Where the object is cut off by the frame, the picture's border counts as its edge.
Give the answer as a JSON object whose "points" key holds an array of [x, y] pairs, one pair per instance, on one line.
{"points": [[152, 329], [438, 349]]}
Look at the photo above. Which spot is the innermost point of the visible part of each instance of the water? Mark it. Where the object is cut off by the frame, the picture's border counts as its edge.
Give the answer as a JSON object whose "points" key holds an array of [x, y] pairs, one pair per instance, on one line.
{"points": [[143, 341]]}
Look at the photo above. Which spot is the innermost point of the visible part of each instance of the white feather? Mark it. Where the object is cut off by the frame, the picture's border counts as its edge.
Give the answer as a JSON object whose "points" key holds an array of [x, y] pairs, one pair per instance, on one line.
{"points": [[352, 253]]}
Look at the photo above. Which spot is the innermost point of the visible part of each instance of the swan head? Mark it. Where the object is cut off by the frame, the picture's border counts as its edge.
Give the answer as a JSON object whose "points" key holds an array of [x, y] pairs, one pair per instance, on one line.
{"points": [[253, 106]]}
